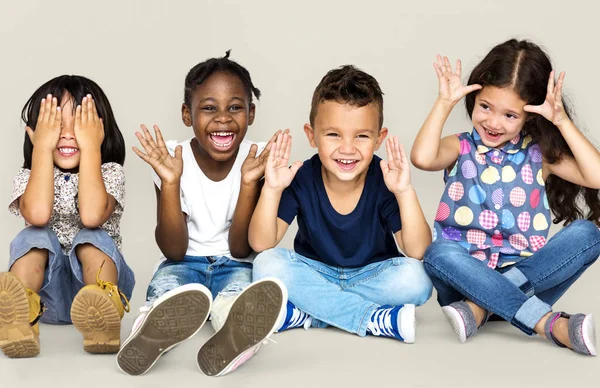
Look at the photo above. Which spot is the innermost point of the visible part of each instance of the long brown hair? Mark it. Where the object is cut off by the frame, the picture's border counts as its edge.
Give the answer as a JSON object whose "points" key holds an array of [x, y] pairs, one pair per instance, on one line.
{"points": [[524, 67]]}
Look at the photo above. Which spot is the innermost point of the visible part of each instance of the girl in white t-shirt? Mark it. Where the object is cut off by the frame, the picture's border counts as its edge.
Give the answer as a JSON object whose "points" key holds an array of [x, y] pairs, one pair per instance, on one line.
{"points": [[206, 188]]}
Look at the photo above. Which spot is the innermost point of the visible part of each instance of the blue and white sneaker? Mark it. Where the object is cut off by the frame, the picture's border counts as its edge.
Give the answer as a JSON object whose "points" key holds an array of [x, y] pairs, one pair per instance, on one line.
{"points": [[395, 322], [295, 318]]}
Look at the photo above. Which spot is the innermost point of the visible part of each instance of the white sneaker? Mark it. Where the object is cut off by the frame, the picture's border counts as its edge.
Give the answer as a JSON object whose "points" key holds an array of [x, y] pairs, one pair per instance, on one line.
{"points": [[174, 317], [255, 314]]}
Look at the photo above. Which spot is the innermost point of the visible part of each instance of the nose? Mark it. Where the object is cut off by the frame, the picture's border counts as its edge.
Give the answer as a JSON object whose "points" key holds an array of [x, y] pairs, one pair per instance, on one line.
{"points": [[493, 122], [223, 117], [67, 131], [347, 146]]}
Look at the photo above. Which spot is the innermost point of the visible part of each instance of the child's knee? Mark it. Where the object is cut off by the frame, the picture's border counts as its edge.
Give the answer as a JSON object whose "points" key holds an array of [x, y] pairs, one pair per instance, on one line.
{"points": [[270, 263], [415, 284]]}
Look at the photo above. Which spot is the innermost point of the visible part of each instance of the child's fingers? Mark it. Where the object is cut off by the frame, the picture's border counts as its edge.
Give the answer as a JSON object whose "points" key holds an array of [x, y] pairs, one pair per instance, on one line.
{"points": [[295, 167], [144, 142], [447, 63], [40, 117], [95, 111], [550, 88], [142, 155], [178, 152], [472, 88], [458, 67], [533, 109], [148, 136], [384, 167], [160, 141], [78, 115], [558, 89], [90, 109], [288, 148], [272, 152], [58, 117], [440, 62], [52, 113], [47, 106], [396, 149], [388, 149], [403, 158], [438, 70], [252, 152]]}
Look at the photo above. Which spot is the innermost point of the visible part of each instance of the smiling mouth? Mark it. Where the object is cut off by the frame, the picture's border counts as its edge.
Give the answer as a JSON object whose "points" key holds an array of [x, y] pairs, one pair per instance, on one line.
{"points": [[222, 139], [67, 151], [346, 164], [492, 134]]}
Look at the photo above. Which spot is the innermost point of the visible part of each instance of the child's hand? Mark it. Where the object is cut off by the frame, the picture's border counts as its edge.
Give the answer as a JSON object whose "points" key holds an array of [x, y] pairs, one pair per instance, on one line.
{"points": [[47, 128], [451, 88], [253, 168], [396, 171], [168, 168], [89, 127], [552, 109], [278, 175]]}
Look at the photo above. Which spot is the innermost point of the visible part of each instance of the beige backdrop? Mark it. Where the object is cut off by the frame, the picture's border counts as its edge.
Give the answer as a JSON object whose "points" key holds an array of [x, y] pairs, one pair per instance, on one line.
{"points": [[140, 51]]}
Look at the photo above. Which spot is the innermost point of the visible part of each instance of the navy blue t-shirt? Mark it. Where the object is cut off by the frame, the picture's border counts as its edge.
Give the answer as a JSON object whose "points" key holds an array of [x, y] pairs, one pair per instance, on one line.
{"points": [[356, 239]]}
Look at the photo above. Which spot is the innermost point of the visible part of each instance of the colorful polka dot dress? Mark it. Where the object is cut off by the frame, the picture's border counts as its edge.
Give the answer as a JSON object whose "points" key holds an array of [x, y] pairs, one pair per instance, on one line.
{"points": [[495, 203]]}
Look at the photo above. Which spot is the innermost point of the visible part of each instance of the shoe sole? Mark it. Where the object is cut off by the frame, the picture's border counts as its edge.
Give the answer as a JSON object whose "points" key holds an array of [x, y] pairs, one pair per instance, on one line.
{"points": [[170, 321], [457, 322], [17, 337], [588, 332], [253, 317], [408, 323], [96, 317]]}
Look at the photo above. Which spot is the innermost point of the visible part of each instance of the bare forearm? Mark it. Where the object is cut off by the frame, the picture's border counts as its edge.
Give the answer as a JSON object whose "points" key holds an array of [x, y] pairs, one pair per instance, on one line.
{"points": [[262, 234], [586, 155], [238, 232], [426, 147], [416, 234], [92, 195], [171, 230], [37, 201]]}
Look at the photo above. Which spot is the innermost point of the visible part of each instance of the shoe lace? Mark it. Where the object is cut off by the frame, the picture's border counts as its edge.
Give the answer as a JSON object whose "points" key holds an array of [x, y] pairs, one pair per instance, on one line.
{"points": [[112, 289]]}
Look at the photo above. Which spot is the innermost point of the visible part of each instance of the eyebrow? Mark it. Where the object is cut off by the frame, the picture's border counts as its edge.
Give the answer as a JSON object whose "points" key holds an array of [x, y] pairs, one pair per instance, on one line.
{"points": [[212, 99], [508, 110], [358, 130]]}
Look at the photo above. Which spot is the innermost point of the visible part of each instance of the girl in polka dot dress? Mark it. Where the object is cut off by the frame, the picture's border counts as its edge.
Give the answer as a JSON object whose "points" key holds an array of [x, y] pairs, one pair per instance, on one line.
{"points": [[66, 265], [523, 158]]}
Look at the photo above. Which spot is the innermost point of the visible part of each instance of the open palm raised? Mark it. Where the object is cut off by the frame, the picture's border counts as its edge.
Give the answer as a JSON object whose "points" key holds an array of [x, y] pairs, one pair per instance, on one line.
{"points": [[167, 167], [278, 175], [450, 84], [396, 170]]}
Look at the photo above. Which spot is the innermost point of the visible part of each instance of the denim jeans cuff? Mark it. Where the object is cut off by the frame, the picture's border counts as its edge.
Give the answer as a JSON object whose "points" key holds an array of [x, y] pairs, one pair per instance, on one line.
{"points": [[517, 278], [530, 314]]}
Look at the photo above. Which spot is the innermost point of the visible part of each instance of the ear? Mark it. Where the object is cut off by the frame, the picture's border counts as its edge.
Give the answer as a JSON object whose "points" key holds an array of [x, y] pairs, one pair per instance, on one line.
{"points": [[310, 134], [186, 115], [251, 113], [383, 132]]}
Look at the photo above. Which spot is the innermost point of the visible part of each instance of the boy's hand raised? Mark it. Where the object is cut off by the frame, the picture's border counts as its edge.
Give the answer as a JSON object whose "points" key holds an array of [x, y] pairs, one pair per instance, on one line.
{"points": [[396, 170], [253, 168], [167, 167], [278, 175], [451, 88]]}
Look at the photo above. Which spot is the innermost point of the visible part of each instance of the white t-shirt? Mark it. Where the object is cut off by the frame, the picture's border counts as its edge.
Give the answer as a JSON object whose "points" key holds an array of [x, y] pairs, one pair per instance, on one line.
{"points": [[209, 205]]}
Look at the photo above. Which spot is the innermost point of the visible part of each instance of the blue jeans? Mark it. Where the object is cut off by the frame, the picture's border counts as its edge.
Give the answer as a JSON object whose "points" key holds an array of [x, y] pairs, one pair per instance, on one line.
{"points": [[216, 273], [344, 297], [522, 293], [63, 277]]}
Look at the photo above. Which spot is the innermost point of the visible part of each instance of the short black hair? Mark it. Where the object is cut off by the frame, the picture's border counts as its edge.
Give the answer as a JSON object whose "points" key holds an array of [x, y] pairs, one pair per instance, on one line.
{"points": [[200, 73]]}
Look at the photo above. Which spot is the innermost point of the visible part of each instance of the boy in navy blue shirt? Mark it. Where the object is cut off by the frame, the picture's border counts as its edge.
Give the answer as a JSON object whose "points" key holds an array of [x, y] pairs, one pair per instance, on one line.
{"points": [[345, 269]]}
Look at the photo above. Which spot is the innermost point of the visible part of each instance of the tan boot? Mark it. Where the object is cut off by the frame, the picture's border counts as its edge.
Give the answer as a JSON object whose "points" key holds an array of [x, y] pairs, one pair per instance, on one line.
{"points": [[20, 310], [96, 312]]}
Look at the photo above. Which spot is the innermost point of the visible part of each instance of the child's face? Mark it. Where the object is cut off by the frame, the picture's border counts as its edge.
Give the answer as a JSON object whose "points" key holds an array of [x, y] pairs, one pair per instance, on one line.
{"points": [[219, 114], [498, 115], [66, 155], [346, 137]]}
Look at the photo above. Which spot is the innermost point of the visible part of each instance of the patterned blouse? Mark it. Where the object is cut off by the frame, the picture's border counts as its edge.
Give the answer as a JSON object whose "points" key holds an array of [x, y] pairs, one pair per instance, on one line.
{"points": [[65, 220], [495, 203]]}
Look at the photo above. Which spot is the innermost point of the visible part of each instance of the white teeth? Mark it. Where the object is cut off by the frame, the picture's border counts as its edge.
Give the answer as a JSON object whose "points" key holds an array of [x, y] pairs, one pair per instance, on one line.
{"points": [[67, 150], [346, 161], [222, 134], [492, 133], [223, 145]]}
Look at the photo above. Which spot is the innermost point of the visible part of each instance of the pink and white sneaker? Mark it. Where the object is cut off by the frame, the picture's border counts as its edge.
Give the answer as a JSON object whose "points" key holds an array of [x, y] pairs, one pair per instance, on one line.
{"points": [[174, 317], [255, 314]]}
